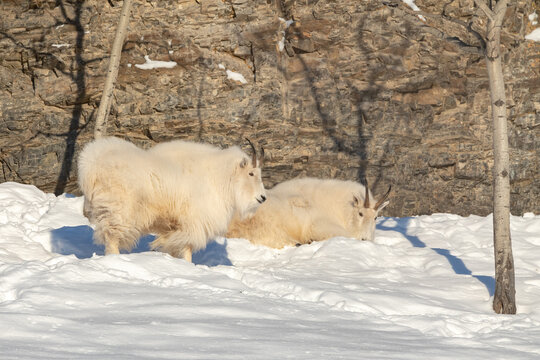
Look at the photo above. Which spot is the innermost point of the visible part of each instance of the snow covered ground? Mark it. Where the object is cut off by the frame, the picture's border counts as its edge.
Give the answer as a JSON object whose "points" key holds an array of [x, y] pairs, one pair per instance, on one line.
{"points": [[422, 290]]}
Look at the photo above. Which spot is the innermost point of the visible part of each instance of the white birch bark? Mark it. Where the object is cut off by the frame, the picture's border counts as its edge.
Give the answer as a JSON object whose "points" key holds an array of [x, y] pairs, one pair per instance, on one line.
{"points": [[504, 298], [112, 72]]}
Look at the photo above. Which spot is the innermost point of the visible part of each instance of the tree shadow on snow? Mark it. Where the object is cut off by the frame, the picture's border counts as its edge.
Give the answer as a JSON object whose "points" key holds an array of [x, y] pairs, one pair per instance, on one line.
{"points": [[457, 264], [78, 241]]}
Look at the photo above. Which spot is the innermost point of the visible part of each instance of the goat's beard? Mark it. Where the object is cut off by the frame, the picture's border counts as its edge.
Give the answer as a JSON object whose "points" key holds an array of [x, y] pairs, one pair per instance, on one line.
{"points": [[247, 212]]}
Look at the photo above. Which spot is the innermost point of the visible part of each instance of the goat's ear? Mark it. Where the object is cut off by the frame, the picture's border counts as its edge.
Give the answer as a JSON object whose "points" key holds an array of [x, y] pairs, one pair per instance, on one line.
{"points": [[356, 201], [243, 163], [383, 205]]}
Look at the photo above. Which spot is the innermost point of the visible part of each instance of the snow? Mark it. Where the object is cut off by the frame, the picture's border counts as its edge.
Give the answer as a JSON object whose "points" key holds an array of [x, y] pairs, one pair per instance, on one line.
{"points": [[286, 24], [155, 64], [233, 75], [534, 35], [281, 42], [236, 76], [413, 6], [422, 290], [533, 18]]}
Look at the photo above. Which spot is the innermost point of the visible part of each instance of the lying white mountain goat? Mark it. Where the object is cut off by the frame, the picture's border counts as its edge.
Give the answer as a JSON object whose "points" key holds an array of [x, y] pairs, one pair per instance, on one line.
{"points": [[186, 193], [300, 211]]}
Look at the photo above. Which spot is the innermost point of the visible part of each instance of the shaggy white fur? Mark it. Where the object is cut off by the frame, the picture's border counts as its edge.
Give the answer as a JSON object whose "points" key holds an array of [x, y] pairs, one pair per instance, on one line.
{"points": [[184, 192], [303, 210]]}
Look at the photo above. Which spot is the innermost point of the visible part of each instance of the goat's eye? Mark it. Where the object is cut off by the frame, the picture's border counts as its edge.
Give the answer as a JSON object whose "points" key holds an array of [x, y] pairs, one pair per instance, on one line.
{"points": [[360, 214], [251, 173]]}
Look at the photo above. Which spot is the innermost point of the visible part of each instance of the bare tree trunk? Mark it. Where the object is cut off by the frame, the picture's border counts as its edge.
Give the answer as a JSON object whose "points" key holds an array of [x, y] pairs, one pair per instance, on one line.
{"points": [[504, 299], [112, 73]]}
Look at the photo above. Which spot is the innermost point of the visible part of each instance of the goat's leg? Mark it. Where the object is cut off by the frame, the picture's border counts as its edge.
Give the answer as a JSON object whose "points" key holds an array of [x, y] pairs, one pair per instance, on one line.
{"points": [[186, 253], [175, 243]]}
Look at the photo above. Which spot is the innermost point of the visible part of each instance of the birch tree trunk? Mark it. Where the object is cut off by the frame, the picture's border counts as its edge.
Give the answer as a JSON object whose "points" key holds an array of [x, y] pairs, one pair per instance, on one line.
{"points": [[504, 299], [112, 72]]}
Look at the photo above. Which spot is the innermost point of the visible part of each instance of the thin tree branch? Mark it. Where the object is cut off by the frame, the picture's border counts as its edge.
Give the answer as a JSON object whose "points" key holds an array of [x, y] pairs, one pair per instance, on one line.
{"points": [[487, 11], [500, 11], [112, 73], [441, 18], [500, 7]]}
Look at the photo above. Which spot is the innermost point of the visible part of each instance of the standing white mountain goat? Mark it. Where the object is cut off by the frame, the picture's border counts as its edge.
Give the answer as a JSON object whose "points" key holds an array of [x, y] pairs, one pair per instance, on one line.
{"points": [[303, 210], [184, 192]]}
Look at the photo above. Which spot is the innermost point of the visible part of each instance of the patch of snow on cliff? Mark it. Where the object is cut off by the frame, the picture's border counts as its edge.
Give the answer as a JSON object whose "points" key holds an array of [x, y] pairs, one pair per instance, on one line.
{"points": [[155, 64]]}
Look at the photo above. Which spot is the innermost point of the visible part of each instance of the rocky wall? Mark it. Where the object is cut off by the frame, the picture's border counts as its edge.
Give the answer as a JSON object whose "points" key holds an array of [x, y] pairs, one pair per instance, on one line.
{"points": [[346, 89]]}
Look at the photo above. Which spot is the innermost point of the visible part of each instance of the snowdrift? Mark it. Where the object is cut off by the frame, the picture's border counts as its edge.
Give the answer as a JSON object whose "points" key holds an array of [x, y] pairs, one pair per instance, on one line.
{"points": [[422, 290]]}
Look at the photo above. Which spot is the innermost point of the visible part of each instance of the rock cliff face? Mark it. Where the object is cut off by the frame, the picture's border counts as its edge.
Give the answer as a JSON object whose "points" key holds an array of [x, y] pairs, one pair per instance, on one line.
{"points": [[347, 89]]}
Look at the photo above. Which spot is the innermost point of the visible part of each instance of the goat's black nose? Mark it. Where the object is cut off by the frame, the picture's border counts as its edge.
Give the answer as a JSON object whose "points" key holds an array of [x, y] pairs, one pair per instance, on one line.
{"points": [[263, 198]]}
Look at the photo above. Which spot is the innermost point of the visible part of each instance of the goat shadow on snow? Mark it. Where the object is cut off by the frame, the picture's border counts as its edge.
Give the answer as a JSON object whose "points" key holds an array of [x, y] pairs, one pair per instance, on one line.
{"points": [[78, 241]]}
